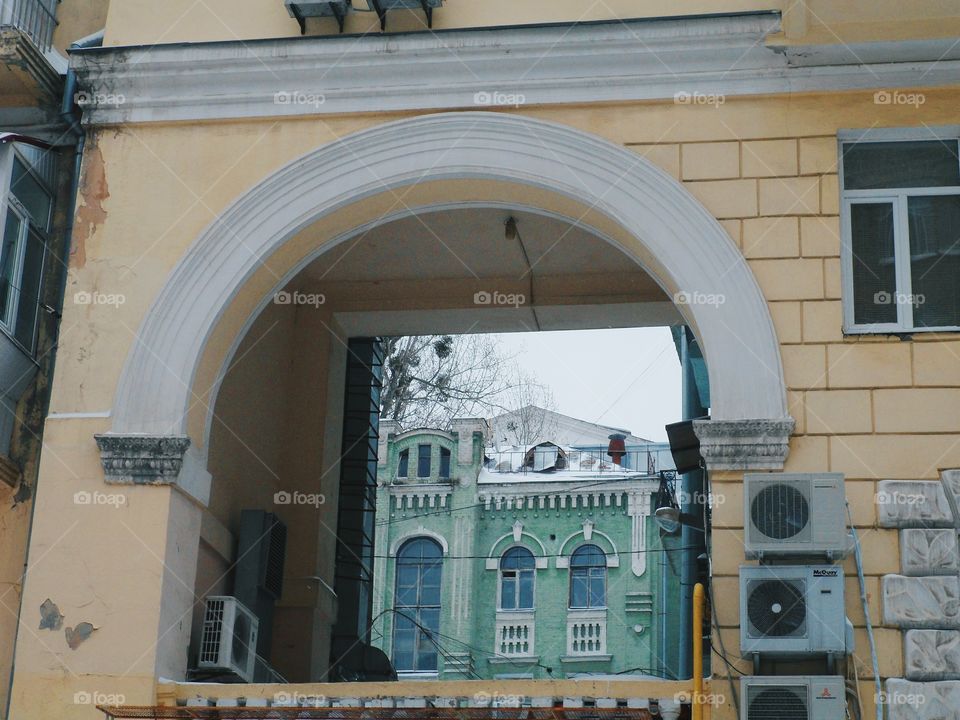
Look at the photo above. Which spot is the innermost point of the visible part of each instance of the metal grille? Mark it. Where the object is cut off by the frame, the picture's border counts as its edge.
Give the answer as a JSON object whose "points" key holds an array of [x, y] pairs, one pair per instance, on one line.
{"points": [[212, 632], [273, 576], [777, 608], [780, 511], [34, 17], [777, 703]]}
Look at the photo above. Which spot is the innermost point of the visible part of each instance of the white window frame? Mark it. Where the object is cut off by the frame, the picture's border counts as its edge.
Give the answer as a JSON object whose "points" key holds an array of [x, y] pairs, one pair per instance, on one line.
{"points": [[500, 607], [898, 197]]}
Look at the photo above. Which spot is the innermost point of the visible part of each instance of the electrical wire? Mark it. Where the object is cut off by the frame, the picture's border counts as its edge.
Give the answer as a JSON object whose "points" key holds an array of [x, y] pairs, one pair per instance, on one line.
{"points": [[866, 612]]}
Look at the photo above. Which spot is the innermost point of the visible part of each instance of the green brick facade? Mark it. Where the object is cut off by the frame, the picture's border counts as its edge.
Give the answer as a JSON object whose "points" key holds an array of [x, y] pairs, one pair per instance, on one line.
{"points": [[475, 521]]}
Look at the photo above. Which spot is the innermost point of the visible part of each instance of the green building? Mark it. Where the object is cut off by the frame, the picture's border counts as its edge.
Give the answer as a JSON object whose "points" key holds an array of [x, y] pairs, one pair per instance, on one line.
{"points": [[525, 562]]}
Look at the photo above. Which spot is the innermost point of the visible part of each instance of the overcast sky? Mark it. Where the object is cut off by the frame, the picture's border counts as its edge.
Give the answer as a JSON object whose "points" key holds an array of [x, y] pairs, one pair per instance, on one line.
{"points": [[625, 378]]}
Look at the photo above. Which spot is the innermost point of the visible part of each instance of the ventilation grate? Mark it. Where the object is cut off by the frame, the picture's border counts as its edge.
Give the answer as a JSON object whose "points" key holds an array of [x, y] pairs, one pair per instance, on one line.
{"points": [[780, 511], [212, 632], [777, 608], [776, 703]]}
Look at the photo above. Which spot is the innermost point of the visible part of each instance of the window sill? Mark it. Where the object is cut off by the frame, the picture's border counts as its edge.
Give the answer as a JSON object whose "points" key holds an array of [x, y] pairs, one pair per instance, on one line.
{"points": [[585, 658], [418, 675], [514, 660], [891, 330]]}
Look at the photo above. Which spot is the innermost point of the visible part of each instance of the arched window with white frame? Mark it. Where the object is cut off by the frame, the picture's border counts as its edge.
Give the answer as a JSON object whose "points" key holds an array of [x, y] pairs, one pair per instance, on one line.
{"points": [[419, 570], [517, 579], [588, 577]]}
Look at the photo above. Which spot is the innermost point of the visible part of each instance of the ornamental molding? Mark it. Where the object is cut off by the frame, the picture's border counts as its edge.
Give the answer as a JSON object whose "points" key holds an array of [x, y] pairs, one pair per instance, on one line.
{"points": [[142, 459], [680, 59], [744, 444]]}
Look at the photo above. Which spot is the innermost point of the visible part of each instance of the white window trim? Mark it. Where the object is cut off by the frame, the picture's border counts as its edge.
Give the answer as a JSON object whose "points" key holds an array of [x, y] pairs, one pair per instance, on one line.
{"points": [[500, 608], [898, 198]]}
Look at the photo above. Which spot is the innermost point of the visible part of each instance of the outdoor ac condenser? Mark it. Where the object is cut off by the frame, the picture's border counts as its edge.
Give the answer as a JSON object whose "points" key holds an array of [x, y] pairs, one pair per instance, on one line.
{"points": [[795, 515], [229, 639], [804, 697], [792, 610]]}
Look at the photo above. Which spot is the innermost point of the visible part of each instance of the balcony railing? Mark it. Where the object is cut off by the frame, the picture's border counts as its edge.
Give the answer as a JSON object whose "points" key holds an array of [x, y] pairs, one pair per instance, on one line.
{"points": [[541, 459], [515, 634], [37, 18], [587, 632]]}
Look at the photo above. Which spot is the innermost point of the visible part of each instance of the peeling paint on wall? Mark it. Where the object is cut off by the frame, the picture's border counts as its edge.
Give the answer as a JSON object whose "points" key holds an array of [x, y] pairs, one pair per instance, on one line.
{"points": [[50, 617], [93, 192], [76, 635]]}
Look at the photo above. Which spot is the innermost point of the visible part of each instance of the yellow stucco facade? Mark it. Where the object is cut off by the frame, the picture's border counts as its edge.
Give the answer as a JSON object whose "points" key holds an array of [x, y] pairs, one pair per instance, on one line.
{"points": [[264, 392]]}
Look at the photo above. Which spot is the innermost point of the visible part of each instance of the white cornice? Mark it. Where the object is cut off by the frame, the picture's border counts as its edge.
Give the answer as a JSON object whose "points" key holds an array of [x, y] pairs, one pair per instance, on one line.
{"points": [[597, 62]]}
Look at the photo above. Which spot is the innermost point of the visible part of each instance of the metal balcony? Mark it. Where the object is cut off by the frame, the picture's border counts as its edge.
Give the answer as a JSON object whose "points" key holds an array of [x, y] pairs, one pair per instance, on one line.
{"points": [[36, 18]]}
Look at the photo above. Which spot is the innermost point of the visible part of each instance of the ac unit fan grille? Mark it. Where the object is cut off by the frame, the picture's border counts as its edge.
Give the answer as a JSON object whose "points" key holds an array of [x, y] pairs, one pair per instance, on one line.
{"points": [[212, 632], [777, 703], [777, 608], [780, 511]]}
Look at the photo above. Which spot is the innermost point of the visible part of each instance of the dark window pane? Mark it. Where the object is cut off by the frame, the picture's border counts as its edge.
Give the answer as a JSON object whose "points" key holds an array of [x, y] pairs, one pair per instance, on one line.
{"points": [[508, 592], [31, 195], [935, 260], [423, 461], [874, 266], [403, 464], [11, 234], [598, 591], [526, 590], [444, 463], [926, 163], [30, 279], [588, 556], [578, 589]]}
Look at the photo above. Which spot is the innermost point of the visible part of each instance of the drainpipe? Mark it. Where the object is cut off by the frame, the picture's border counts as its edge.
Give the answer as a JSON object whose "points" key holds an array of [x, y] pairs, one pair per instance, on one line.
{"points": [[69, 115], [691, 540]]}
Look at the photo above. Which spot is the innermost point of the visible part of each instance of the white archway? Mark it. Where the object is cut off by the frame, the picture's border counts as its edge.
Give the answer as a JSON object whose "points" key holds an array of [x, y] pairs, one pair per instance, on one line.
{"points": [[692, 252]]}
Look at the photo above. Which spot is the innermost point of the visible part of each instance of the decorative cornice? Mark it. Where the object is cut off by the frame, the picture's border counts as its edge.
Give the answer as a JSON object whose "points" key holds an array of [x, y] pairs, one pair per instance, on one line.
{"points": [[720, 55], [142, 459], [744, 444]]}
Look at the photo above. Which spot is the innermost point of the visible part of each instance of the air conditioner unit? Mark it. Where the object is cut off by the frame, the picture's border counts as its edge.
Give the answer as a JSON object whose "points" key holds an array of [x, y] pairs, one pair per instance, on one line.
{"points": [[229, 639], [795, 515], [792, 610], [805, 697]]}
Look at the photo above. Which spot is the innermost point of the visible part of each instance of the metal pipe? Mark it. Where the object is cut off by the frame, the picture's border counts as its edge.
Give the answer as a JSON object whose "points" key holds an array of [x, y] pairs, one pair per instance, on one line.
{"points": [[698, 603]]}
